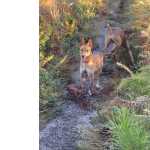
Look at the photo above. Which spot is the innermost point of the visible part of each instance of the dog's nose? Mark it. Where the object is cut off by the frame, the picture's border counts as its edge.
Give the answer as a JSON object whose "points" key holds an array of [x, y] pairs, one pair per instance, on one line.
{"points": [[82, 56]]}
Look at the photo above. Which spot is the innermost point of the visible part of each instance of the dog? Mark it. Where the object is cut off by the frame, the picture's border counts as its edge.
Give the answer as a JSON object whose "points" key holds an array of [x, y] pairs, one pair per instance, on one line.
{"points": [[91, 64], [118, 37]]}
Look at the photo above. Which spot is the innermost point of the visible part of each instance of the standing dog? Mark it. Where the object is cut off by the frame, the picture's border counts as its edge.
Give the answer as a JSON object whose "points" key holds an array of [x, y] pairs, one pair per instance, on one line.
{"points": [[91, 63], [119, 38]]}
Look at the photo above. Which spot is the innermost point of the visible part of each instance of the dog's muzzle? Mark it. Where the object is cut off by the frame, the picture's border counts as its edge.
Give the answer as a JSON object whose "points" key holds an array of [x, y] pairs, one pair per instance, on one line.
{"points": [[85, 59]]}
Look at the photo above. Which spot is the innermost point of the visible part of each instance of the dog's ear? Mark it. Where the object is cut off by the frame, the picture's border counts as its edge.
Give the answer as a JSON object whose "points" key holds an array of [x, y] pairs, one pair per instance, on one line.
{"points": [[90, 43], [82, 41]]}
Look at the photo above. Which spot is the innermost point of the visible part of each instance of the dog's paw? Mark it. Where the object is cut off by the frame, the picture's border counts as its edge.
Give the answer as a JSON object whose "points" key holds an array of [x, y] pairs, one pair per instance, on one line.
{"points": [[89, 92], [98, 86]]}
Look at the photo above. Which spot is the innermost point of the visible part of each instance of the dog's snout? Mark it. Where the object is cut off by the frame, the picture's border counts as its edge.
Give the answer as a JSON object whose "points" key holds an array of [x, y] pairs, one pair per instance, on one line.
{"points": [[82, 56]]}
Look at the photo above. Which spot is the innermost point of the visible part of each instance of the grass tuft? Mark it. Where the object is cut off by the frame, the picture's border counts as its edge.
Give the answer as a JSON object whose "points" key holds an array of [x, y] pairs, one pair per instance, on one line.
{"points": [[128, 133]]}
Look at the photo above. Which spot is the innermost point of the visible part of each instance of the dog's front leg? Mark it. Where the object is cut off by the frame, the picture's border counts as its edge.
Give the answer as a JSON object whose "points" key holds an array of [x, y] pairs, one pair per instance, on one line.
{"points": [[89, 84], [92, 83], [81, 80], [105, 42], [97, 84]]}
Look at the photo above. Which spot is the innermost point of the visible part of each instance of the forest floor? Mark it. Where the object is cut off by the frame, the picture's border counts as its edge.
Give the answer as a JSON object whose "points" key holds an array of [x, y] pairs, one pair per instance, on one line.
{"points": [[68, 129]]}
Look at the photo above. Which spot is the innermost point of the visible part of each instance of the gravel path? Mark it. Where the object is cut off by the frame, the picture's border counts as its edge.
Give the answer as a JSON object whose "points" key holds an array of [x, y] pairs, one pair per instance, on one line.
{"points": [[63, 132]]}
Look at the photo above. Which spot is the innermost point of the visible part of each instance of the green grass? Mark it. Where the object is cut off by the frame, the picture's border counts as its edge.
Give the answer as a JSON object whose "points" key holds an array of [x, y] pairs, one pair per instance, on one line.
{"points": [[137, 85], [128, 133]]}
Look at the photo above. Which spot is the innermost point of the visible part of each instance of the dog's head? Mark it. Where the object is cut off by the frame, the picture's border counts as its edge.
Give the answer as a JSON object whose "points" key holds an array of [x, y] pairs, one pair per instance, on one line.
{"points": [[86, 48]]}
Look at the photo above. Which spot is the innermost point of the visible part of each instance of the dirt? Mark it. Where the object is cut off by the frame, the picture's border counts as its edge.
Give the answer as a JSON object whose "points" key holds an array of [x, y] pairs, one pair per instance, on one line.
{"points": [[64, 132]]}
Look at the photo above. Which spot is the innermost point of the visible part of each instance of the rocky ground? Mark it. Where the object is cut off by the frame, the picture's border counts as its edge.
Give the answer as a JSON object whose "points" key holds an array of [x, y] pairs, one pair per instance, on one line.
{"points": [[63, 132]]}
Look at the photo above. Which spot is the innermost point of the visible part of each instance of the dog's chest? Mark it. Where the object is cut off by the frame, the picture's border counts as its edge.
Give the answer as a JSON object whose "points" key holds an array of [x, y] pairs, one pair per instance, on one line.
{"points": [[90, 66]]}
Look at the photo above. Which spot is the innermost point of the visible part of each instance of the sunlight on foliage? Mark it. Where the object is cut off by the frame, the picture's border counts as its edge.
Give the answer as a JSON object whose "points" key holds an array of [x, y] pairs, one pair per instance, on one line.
{"points": [[88, 7], [140, 10], [46, 60]]}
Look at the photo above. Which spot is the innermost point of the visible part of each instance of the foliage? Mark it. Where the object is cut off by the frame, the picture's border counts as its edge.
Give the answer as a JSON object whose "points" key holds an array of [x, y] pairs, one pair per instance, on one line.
{"points": [[61, 23], [52, 80], [49, 90], [137, 85], [138, 14], [128, 133]]}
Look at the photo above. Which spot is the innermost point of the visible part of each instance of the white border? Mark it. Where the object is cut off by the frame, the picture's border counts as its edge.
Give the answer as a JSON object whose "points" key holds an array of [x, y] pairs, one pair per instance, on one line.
{"points": [[19, 75]]}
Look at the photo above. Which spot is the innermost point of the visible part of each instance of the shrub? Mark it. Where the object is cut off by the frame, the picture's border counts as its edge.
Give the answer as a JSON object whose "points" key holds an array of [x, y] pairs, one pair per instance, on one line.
{"points": [[128, 133], [137, 85], [49, 88]]}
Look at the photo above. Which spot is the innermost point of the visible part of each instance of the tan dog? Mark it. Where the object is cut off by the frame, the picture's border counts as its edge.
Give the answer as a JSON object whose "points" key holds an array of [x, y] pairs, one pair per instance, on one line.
{"points": [[119, 38], [90, 63]]}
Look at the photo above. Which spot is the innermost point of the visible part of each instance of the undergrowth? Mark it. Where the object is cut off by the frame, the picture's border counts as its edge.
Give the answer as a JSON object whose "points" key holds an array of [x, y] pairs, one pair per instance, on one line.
{"points": [[128, 133], [137, 85]]}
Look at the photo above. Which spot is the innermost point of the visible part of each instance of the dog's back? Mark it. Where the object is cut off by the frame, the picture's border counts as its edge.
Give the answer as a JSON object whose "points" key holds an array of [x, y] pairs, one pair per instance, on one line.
{"points": [[97, 59]]}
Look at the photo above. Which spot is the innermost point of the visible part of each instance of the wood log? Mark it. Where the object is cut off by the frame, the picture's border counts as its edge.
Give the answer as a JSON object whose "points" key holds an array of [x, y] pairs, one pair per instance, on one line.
{"points": [[137, 105], [106, 112]]}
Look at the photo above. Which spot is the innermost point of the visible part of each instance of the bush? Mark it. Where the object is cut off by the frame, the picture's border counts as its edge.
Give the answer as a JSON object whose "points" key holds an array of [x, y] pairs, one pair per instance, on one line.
{"points": [[137, 85], [128, 133], [49, 88]]}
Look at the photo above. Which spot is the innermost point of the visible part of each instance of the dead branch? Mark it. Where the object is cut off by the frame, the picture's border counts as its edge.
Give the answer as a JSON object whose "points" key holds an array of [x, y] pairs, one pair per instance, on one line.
{"points": [[125, 68], [137, 105]]}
